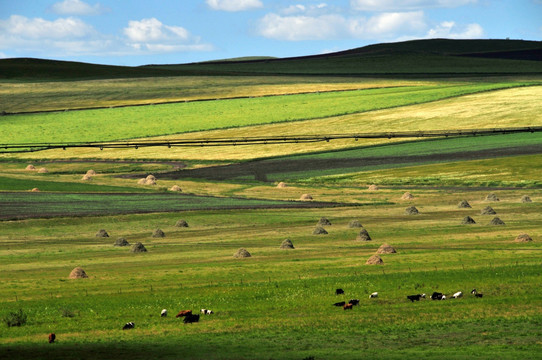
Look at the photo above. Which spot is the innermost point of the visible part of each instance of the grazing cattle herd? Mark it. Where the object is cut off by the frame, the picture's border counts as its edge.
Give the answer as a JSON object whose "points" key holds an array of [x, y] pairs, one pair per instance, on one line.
{"points": [[190, 318]]}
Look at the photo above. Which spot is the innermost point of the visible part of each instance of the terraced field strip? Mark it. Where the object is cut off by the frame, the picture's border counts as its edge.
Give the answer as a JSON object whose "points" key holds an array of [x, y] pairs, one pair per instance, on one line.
{"points": [[21, 205]]}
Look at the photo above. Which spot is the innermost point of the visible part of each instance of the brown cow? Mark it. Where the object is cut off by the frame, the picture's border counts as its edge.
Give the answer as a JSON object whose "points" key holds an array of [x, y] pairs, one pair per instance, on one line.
{"points": [[52, 338], [347, 306], [184, 313]]}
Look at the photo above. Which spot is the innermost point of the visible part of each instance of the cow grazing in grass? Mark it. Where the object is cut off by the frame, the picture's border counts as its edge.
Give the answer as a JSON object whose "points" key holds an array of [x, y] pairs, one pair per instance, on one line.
{"points": [[163, 313], [373, 295], [457, 295], [339, 291], [52, 338], [128, 326], [476, 293], [184, 313], [340, 303], [354, 302], [413, 298], [191, 318], [437, 296], [347, 306], [206, 311]]}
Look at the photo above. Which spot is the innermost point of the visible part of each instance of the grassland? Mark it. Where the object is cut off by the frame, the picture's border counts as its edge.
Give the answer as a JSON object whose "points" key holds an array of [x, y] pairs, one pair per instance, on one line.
{"points": [[277, 304]]}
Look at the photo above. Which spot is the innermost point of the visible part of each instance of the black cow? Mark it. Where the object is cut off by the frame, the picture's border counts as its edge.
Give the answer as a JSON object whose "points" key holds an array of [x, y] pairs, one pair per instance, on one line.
{"points": [[129, 325], [339, 291], [437, 296], [354, 301], [413, 298], [341, 303], [191, 318]]}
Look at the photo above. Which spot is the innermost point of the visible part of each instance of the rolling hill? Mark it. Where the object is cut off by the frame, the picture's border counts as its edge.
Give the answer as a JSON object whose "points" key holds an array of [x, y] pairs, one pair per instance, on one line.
{"points": [[416, 58]]}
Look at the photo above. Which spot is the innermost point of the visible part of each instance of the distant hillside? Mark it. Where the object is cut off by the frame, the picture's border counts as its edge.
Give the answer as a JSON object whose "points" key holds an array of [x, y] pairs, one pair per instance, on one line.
{"points": [[417, 58]]}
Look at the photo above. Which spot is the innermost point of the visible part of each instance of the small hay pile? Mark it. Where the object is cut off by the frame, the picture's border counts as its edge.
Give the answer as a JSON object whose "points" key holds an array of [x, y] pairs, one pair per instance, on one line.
{"points": [[181, 223], [138, 247], [375, 260], [319, 231], [386, 249], [523, 238], [306, 197], [526, 199], [175, 188], [492, 197], [373, 187], [91, 172], [287, 244], [158, 233], [102, 233], [324, 221], [488, 210], [35, 190], [241, 253], [30, 167], [43, 170], [142, 181], [121, 242], [149, 180], [86, 177], [468, 220], [354, 224], [281, 185], [78, 273], [363, 235], [407, 196], [496, 221], [411, 210], [464, 204]]}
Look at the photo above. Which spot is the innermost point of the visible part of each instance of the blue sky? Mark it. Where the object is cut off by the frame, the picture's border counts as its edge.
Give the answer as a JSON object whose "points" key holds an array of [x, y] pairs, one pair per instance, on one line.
{"points": [[138, 32]]}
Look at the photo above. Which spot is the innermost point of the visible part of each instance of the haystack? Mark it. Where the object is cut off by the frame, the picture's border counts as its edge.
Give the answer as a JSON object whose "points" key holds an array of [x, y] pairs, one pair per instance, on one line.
{"points": [[91, 172], [121, 242], [526, 199], [142, 181], [150, 182], [241, 253], [319, 231], [324, 221], [158, 233], [496, 221], [354, 224], [375, 260], [463, 204], [281, 185], [175, 188], [102, 233], [86, 177], [523, 238], [386, 249], [411, 210], [468, 220], [181, 223], [35, 190], [30, 167], [492, 197], [407, 196], [363, 235], [78, 273], [151, 177], [488, 210], [287, 244], [306, 197], [43, 170], [138, 247], [373, 187]]}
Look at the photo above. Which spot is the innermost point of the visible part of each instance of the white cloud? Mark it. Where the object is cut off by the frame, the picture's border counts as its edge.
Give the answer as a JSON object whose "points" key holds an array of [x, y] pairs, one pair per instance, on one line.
{"points": [[77, 7], [381, 26], [64, 28], [402, 5], [234, 5], [153, 36], [449, 29], [306, 9]]}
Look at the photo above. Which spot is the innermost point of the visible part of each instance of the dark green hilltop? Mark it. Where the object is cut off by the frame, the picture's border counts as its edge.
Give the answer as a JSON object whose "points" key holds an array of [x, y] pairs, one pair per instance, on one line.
{"points": [[416, 58]]}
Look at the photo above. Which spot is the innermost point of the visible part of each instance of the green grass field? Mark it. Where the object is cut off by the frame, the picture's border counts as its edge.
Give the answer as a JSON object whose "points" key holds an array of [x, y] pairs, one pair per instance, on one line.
{"points": [[276, 304]]}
